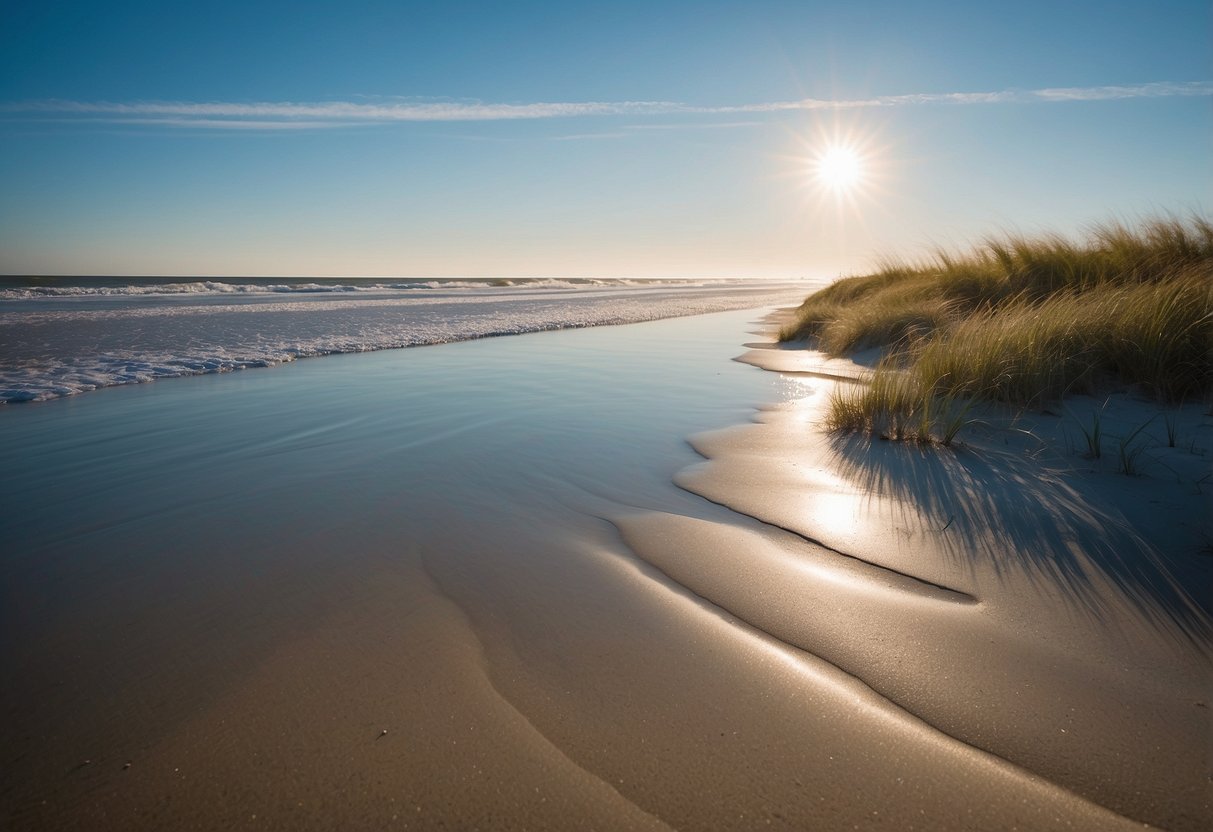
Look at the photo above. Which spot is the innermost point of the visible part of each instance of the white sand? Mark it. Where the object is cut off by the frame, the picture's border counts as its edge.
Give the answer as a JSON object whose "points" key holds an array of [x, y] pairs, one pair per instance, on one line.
{"points": [[1018, 596]]}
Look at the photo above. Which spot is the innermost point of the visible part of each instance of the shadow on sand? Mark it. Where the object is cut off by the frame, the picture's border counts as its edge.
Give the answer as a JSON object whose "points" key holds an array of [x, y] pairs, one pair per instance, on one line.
{"points": [[1018, 516]]}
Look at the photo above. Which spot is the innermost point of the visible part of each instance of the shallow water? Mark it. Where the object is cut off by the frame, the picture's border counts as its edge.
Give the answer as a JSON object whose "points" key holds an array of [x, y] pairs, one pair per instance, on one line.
{"points": [[162, 540]]}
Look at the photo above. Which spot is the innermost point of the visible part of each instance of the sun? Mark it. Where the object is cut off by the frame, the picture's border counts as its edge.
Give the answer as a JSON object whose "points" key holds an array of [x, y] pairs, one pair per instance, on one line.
{"points": [[840, 168]]}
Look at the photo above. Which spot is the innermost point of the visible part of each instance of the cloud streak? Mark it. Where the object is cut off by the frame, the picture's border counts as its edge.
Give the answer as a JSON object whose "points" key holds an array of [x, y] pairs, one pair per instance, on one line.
{"points": [[305, 116]]}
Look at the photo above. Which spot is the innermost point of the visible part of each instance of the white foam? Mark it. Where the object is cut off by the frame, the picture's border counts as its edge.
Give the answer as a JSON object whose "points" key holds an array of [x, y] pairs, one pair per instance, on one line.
{"points": [[219, 287], [58, 349]]}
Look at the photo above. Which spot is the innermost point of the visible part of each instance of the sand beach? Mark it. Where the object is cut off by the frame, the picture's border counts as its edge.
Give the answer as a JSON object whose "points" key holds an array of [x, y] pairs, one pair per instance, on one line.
{"points": [[491, 585]]}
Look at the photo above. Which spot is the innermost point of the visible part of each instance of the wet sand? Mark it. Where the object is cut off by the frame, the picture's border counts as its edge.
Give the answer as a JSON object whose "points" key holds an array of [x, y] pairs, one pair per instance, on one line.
{"points": [[488, 585]]}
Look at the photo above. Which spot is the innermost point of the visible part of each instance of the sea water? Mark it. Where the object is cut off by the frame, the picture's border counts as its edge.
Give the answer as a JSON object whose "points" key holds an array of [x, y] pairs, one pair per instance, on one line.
{"points": [[62, 336]]}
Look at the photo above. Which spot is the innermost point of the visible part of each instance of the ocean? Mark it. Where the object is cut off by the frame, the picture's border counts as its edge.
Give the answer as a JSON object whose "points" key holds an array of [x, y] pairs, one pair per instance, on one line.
{"points": [[63, 336]]}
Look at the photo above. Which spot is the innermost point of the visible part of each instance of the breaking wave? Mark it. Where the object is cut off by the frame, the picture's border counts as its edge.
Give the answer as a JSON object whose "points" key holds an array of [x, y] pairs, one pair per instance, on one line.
{"points": [[88, 337]]}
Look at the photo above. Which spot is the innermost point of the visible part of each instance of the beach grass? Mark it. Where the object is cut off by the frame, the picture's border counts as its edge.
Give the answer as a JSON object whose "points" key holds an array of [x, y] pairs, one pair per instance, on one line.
{"points": [[1024, 321]]}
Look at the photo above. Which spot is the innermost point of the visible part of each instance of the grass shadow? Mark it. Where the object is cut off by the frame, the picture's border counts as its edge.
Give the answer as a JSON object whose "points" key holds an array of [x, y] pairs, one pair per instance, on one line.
{"points": [[1057, 535]]}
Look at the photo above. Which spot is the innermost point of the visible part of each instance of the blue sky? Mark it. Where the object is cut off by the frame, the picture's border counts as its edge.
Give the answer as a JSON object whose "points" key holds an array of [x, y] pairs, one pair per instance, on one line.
{"points": [[620, 139]]}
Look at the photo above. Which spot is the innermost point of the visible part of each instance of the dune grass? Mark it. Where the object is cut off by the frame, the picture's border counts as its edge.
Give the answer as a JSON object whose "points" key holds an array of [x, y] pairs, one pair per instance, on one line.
{"points": [[1022, 320]]}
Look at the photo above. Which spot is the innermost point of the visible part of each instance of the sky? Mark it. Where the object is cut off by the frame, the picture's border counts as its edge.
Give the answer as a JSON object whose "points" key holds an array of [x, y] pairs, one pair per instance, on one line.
{"points": [[653, 139]]}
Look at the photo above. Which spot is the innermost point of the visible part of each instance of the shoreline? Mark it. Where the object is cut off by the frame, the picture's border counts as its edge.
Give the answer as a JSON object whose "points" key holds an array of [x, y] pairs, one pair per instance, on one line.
{"points": [[1094, 581]]}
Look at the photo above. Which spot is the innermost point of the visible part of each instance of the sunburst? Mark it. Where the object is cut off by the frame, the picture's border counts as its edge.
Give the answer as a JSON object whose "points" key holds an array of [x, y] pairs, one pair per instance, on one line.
{"points": [[840, 168]]}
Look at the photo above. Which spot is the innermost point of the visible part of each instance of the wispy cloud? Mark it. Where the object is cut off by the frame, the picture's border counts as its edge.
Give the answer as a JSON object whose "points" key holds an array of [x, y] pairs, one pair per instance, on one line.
{"points": [[305, 116], [175, 112], [1162, 89]]}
